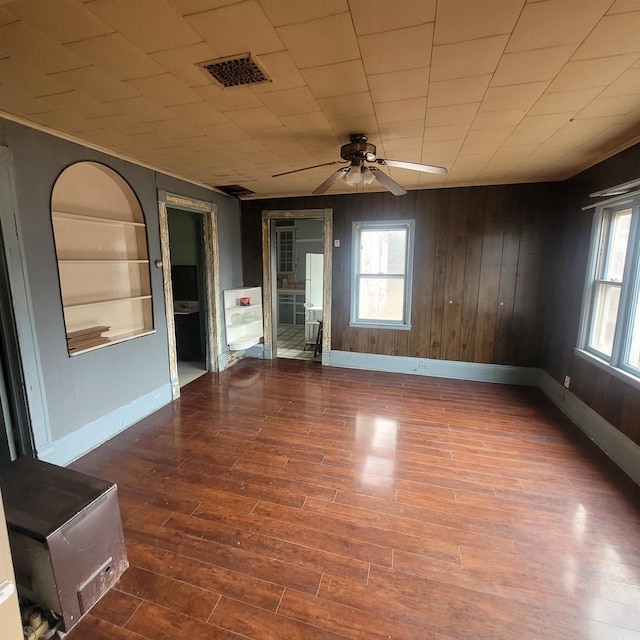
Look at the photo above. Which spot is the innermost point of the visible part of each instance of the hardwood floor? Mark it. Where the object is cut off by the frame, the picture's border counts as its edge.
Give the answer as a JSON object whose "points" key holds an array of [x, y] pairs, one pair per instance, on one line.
{"points": [[286, 500]]}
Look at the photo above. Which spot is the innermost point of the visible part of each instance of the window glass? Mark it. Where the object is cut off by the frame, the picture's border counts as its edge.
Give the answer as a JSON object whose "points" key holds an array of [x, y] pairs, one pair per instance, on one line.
{"points": [[611, 311], [381, 283]]}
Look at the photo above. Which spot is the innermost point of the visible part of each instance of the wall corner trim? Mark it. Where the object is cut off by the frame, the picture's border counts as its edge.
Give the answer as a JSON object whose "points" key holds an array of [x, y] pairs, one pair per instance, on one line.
{"points": [[75, 444], [621, 449]]}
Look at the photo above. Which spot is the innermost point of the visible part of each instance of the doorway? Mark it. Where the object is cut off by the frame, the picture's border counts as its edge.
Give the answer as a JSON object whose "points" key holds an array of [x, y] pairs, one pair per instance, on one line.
{"points": [[187, 277], [297, 283], [190, 268]]}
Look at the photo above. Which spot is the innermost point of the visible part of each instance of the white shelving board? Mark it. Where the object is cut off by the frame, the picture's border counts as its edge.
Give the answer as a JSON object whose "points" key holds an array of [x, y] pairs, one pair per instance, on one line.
{"points": [[244, 323]]}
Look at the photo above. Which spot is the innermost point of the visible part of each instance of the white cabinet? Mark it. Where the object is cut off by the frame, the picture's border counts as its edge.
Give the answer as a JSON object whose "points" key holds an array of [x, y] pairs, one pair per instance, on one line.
{"points": [[291, 307], [243, 317]]}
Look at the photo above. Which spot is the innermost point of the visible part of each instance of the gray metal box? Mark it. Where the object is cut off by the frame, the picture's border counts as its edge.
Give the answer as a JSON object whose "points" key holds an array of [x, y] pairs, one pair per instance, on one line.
{"points": [[65, 534]]}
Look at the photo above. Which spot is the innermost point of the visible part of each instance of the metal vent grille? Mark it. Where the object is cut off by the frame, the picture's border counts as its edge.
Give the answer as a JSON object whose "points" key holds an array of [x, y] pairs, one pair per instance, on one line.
{"points": [[235, 71]]}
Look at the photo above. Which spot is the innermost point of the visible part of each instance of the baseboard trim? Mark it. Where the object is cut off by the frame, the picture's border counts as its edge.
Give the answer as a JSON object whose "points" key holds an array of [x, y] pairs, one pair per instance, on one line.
{"points": [[622, 450], [75, 444], [498, 373]]}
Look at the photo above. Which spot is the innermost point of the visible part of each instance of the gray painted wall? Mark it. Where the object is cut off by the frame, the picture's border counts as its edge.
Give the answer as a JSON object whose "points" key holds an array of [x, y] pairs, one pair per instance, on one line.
{"points": [[83, 388]]}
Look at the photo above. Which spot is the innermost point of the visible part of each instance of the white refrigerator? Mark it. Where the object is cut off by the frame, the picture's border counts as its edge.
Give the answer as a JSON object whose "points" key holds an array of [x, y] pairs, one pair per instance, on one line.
{"points": [[313, 295]]}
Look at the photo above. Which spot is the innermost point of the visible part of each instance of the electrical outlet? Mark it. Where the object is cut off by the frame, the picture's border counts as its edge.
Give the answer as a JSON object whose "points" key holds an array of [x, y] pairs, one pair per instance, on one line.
{"points": [[423, 364], [567, 382]]}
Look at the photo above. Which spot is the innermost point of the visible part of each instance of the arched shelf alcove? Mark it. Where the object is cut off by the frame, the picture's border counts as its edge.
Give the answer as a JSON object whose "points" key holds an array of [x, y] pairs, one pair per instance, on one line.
{"points": [[103, 260]]}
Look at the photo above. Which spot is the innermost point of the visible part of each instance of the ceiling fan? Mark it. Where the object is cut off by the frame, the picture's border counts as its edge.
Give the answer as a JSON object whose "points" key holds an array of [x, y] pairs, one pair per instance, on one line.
{"points": [[356, 153]]}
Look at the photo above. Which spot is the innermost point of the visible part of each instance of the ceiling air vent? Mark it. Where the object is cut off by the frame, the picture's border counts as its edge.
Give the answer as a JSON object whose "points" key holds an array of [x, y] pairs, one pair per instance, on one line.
{"points": [[236, 71], [235, 190]]}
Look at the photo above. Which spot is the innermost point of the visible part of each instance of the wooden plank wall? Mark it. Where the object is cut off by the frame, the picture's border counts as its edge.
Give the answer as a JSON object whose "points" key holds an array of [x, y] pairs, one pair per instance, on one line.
{"points": [[615, 400], [480, 255]]}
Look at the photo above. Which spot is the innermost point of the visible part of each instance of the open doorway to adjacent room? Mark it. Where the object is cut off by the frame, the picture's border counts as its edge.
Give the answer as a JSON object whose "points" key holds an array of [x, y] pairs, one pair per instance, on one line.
{"points": [[190, 263], [297, 283]]}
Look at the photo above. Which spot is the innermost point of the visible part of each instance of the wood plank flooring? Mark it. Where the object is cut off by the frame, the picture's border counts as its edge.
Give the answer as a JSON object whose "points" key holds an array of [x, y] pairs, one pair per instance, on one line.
{"points": [[286, 500]]}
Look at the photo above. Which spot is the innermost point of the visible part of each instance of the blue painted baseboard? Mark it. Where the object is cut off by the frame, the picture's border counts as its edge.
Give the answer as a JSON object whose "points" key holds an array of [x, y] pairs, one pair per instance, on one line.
{"points": [[75, 444]]}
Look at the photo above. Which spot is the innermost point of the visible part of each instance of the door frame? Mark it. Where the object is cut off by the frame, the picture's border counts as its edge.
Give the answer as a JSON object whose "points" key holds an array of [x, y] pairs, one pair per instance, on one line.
{"points": [[211, 267], [25, 400], [269, 273]]}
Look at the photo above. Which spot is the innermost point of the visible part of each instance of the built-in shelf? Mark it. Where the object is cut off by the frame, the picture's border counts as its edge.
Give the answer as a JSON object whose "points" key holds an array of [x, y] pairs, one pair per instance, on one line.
{"points": [[243, 323], [77, 217], [103, 261], [109, 301], [123, 337]]}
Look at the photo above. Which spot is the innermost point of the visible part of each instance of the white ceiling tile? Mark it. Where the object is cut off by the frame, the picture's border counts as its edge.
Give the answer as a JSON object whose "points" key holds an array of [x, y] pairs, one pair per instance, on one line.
{"points": [[459, 114], [584, 74], [449, 132], [375, 16], [321, 42], [613, 35], [623, 6], [626, 83], [141, 108], [181, 62], [228, 132], [164, 89], [230, 99], [344, 127], [237, 29], [352, 106], [82, 105], [459, 20], [564, 101], [469, 58], [460, 91], [167, 30], [497, 135], [117, 56], [256, 118], [531, 66], [498, 119], [33, 48], [63, 20], [198, 113], [550, 122], [282, 12], [399, 130], [283, 73], [96, 83], [306, 122], [398, 50], [610, 106], [401, 110], [399, 85], [518, 96], [555, 22], [186, 7], [290, 101], [337, 79]]}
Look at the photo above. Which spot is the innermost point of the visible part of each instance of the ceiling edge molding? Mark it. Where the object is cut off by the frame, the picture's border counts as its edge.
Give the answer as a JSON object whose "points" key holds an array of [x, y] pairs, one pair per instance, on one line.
{"points": [[69, 138]]}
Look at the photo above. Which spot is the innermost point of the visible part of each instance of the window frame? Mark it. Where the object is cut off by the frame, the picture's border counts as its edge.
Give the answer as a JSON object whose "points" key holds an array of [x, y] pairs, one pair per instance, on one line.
{"points": [[392, 225], [618, 363]]}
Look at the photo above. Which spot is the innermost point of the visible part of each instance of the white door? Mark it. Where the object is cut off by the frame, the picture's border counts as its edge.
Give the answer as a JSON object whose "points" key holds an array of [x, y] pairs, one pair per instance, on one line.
{"points": [[10, 622]]}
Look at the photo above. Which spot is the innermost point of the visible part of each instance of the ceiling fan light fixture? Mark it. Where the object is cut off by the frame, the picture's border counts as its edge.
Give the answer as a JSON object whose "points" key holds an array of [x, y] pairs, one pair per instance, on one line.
{"points": [[367, 176], [353, 176]]}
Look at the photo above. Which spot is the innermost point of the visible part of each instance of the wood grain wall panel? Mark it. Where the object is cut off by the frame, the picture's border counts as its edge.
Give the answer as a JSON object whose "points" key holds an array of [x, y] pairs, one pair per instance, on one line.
{"points": [[562, 285], [467, 251]]}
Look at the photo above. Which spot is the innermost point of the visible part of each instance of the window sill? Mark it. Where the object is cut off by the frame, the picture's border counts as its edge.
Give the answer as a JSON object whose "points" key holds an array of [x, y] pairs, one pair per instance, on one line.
{"points": [[380, 325], [625, 376]]}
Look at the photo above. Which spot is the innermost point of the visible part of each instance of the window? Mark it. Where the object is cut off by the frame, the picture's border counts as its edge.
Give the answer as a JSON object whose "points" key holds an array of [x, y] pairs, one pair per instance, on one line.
{"points": [[611, 312], [382, 269], [285, 244]]}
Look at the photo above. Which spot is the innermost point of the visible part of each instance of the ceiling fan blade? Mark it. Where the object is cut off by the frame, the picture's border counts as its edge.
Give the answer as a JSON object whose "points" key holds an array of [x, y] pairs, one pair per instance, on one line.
{"points": [[334, 177], [414, 166], [387, 182], [315, 166]]}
